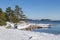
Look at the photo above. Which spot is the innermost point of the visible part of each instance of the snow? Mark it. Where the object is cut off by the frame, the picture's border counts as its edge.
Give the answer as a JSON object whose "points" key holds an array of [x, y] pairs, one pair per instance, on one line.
{"points": [[22, 26], [26, 25], [15, 34], [42, 25], [10, 24]]}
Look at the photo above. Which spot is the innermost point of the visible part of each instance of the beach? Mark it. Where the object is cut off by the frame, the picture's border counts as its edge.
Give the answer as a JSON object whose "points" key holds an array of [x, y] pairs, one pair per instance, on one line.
{"points": [[15, 34]]}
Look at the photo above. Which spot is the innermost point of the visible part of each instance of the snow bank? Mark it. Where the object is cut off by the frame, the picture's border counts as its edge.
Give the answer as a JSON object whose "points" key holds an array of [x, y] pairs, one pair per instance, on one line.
{"points": [[42, 25], [14, 34], [23, 26], [10, 24], [26, 25]]}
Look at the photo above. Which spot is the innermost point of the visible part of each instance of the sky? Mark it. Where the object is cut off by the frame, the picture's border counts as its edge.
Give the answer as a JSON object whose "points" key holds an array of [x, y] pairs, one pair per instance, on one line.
{"points": [[35, 9]]}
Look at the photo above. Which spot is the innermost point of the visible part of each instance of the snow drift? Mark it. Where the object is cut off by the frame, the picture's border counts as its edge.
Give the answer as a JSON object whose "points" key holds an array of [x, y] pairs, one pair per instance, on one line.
{"points": [[15, 34]]}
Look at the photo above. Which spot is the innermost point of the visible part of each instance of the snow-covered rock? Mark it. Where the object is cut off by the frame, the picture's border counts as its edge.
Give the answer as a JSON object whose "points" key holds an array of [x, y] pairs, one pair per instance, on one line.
{"points": [[22, 26], [10, 24], [44, 25]]}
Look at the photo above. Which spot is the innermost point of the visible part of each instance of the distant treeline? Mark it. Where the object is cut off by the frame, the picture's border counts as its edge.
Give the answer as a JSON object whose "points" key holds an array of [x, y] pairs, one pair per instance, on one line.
{"points": [[11, 15]]}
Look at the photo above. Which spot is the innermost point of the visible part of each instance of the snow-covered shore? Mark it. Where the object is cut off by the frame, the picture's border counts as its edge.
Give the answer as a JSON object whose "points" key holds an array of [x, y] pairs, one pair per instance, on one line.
{"points": [[15, 34], [25, 25]]}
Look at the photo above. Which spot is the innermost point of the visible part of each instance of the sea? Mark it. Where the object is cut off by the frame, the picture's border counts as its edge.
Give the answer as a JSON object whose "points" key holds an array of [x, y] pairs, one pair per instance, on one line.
{"points": [[55, 29]]}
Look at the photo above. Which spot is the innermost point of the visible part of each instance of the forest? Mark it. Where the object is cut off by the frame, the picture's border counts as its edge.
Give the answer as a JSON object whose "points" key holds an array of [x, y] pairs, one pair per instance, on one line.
{"points": [[11, 15]]}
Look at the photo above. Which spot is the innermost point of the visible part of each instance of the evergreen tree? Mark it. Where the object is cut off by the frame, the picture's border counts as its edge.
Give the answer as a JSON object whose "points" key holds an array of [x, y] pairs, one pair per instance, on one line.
{"points": [[11, 16], [2, 18], [19, 13], [8, 12]]}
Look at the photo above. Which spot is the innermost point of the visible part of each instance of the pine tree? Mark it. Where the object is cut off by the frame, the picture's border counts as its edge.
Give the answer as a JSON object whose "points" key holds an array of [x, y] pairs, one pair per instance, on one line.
{"points": [[2, 18], [8, 12], [19, 13], [12, 17]]}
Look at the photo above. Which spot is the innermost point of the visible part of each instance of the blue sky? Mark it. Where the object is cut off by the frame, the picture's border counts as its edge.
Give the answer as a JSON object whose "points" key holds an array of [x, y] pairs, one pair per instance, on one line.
{"points": [[35, 9]]}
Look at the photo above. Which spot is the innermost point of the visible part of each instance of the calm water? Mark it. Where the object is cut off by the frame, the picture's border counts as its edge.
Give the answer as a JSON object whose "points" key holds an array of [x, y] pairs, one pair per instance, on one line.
{"points": [[54, 30]]}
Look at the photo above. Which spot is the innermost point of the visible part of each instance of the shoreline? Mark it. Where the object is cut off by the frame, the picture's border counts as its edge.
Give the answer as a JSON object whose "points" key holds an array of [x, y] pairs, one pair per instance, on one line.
{"points": [[32, 26], [15, 34], [27, 26]]}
